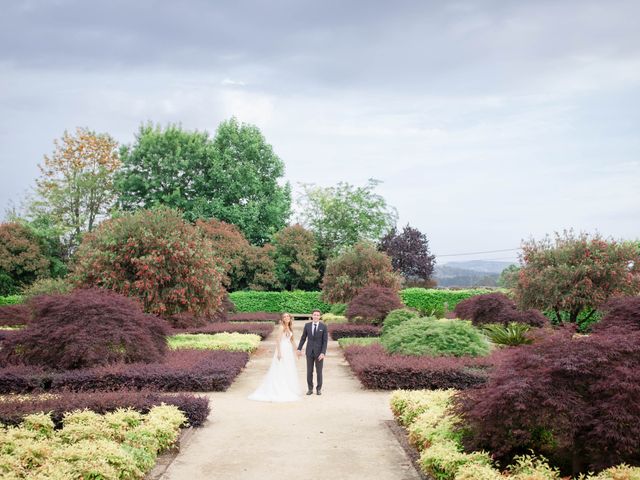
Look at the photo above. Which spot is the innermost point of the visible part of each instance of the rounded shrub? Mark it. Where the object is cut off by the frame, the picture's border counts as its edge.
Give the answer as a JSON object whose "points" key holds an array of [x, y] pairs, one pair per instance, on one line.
{"points": [[87, 328], [397, 317], [156, 257], [372, 304], [354, 269], [496, 308], [436, 337]]}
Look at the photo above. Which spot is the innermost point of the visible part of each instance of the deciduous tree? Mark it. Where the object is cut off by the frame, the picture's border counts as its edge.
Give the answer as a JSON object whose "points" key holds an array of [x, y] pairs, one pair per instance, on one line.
{"points": [[409, 252], [76, 186], [576, 273], [295, 256]]}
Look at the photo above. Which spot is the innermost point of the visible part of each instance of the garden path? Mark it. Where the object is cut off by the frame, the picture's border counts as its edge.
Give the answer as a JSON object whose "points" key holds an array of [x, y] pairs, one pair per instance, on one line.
{"points": [[339, 435]]}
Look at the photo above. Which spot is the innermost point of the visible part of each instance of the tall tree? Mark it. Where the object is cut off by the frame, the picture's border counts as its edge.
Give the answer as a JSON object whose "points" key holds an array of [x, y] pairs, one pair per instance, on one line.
{"points": [[76, 186], [409, 252], [573, 275], [234, 177], [295, 258], [22, 260], [344, 215]]}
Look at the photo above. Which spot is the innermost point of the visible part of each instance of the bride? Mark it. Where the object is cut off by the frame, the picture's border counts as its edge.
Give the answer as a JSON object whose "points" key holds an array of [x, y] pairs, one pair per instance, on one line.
{"points": [[281, 382]]}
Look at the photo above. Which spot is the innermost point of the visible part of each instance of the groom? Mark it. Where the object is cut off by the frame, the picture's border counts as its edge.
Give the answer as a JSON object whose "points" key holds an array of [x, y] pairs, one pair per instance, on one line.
{"points": [[316, 332]]}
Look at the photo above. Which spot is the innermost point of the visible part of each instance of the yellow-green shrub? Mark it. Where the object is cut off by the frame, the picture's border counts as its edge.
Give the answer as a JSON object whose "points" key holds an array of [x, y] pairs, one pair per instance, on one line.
{"points": [[619, 472], [234, 342], [442, 459], [119, 445], [331, 318]]}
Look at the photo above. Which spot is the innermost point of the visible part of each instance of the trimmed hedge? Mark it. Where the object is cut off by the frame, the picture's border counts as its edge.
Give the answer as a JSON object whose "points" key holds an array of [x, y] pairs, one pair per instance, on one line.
{"points": [[362, 341], [435, 302], [232, 342], [254, 317], [277, 302], [377, 369], [182, 370], [11, 299], [117, 445], [341, 330], [263, 329], [13, 408]]}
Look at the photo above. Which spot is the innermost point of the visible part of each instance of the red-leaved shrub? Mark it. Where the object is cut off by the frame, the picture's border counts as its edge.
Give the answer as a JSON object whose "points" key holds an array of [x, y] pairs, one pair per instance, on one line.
{"points": [[86, 328], [13, 410], [372, 304], [14, 315], [341, 330], [181, 370], [572, 399], [377, 369], [622, 314], [496, 308], [156, 257]]}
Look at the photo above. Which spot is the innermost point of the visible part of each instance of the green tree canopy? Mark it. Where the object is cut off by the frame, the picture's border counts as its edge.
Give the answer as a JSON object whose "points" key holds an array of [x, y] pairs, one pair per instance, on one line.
{"points": [[344, 215], [295, 256], [235, 176]]}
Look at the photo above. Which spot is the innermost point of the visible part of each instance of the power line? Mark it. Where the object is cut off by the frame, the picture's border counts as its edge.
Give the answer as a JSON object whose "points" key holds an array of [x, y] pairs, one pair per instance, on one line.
{"points": [[479, 253]]}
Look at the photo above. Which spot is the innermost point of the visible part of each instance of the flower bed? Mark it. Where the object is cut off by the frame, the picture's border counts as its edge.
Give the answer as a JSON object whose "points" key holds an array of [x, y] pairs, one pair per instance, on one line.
{"points": [[340, 330], [433, 430], [233, 342], [263, 329], [182, 370], [377, 369], [13, 408], [121, 444], [254, 317]]}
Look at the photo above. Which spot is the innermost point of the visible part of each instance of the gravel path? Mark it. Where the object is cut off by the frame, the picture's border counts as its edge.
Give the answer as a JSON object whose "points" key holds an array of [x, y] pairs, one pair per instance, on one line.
{"points": [[339, 435]]}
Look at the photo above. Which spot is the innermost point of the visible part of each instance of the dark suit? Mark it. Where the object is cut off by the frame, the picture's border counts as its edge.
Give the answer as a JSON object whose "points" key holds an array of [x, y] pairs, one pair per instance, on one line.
{"points": [[316, 345]]}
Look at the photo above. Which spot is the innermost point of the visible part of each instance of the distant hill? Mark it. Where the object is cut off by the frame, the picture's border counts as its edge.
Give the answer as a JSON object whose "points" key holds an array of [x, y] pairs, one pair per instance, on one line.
{"points": [[471, 273]]}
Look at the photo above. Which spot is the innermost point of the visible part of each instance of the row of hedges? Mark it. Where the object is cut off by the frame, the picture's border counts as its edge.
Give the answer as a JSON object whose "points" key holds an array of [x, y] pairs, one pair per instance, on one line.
{"points": [[120, 444], [13, 408], [434, 302], [342, 330], [434, 430], [428, 301], [181, 370], [233, 342], [377, 369], [262, 329], [276, 302]]}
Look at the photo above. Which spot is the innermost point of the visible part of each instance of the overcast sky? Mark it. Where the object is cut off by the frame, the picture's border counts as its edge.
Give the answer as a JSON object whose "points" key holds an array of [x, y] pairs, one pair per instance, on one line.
{"points": [[487, 121]]}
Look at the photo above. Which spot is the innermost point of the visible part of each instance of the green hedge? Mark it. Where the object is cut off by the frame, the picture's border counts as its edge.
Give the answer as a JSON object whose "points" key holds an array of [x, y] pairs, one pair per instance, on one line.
{"points": [[276, 302], [434, 302], [11, 300], [427, 301]]}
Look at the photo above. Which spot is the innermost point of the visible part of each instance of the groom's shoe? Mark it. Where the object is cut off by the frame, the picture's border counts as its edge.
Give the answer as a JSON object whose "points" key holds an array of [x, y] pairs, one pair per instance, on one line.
{"points": [[309, 392], [318, 392]]}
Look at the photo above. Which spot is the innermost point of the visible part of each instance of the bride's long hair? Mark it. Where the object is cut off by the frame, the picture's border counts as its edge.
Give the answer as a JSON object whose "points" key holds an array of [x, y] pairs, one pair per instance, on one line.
{"points": [[287, 325]]}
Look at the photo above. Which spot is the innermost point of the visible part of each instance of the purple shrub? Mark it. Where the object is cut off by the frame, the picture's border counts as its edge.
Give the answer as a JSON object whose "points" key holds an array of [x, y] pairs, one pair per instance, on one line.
{"points": [[377, 369], [86, 328], [372, 304], [253, 317], [12, 411], [621, 314], [263, 329], [341, 330], [573, 399], [496, 308], [181, 370]]}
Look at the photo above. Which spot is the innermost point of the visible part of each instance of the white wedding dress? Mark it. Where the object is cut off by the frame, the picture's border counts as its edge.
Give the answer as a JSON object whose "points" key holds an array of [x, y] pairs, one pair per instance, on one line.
{"points": [[281, 382]]}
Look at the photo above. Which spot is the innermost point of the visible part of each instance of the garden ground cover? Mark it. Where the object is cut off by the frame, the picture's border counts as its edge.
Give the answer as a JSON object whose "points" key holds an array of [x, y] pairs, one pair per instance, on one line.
{"points": [[117, 445], [181, 370], [233, 342]]}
